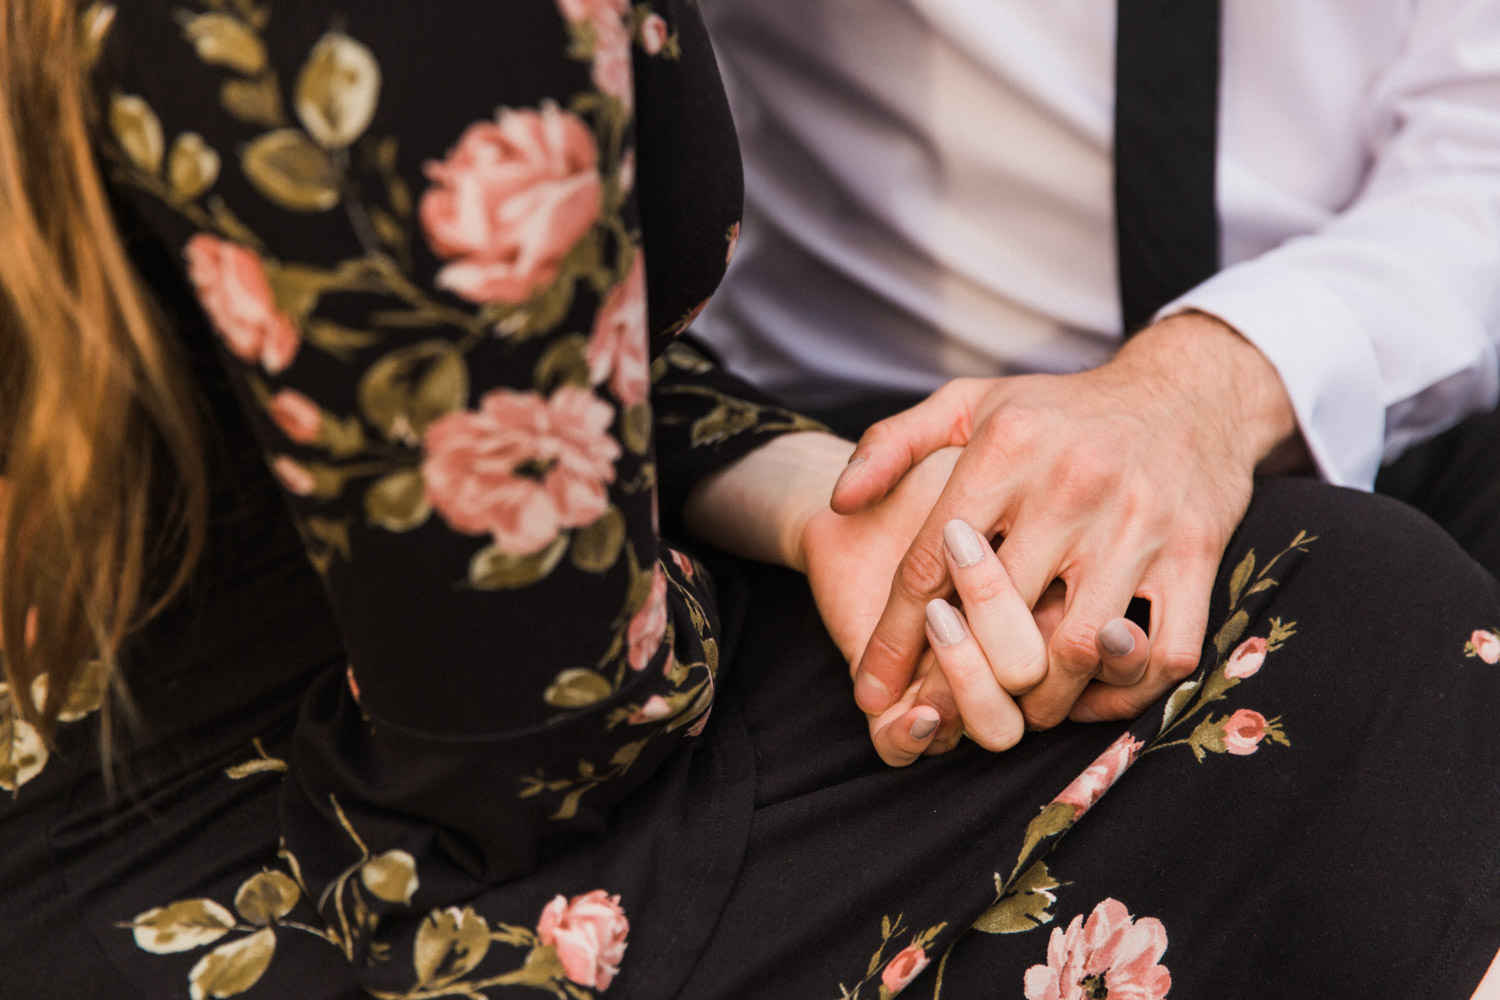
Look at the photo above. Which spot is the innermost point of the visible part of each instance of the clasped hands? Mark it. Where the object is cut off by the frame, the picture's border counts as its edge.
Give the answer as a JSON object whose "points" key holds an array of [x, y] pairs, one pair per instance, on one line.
{"points": [[1124, 481]]}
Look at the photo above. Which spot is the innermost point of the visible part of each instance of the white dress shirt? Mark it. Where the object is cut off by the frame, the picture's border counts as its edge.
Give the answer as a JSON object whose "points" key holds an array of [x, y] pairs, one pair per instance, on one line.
{"points": [[929, 195]]}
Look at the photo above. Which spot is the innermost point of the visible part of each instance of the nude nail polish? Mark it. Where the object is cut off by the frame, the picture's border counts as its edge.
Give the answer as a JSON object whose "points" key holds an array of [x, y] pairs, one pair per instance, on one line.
{"points": [[963, 543], [923, 728], [1116, 638], [946, 626]]}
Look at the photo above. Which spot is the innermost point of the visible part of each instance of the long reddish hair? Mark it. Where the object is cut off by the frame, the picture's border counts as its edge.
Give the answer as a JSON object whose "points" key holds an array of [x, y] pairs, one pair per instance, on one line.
{"points": [[99, 440]]}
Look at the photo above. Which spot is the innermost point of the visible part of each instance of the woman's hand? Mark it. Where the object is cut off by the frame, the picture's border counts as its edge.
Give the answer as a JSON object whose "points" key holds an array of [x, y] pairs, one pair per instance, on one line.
{"points": [[993, 650], [850, 561], [772, 505]]}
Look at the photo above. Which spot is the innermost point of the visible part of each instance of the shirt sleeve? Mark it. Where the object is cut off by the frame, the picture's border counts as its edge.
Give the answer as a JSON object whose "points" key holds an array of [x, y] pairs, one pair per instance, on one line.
{"points": [[420, 249], [1384, 323]]}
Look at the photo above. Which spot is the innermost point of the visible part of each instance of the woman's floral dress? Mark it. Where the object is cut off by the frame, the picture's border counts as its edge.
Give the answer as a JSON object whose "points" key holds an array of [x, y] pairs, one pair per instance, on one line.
{"points": [[445, 714]]}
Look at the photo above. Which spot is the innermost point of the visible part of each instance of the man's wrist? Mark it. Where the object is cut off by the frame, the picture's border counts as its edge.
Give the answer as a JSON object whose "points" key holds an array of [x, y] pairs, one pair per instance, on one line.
{"points": [[1208, 358]]}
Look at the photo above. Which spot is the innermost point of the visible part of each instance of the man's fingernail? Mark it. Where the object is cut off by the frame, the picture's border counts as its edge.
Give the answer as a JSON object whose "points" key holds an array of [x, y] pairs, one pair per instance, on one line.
{"points": [[946, 626], [850, 471], [924, 726], [870, 694], [963, 543], [1116, 638]]}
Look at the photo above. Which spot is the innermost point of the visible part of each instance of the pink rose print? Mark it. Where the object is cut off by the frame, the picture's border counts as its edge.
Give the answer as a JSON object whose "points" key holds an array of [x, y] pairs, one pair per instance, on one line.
{"points": [[593, 10], [613, 74], [522, 468], [618, 345], [353, 683], [649, 624], [1096, 779], [588, 934], [653, 34], [510, 201], [1243, 732], [293, 475], [734, 244], [232, 286], [298, 417], [606, 21], [1486, 646], [1246, 660], [684, 564], [1110, 955], [656, 707], [903, 968]]}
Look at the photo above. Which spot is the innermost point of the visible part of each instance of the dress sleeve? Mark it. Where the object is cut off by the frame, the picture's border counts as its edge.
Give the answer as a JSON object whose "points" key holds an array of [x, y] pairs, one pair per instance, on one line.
{"points": [[1384, 323], [421, 251]]}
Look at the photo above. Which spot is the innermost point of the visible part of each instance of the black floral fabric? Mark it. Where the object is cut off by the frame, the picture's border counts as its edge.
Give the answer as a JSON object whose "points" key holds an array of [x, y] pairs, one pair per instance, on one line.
{"points": [[444, 263], [453, 708]]}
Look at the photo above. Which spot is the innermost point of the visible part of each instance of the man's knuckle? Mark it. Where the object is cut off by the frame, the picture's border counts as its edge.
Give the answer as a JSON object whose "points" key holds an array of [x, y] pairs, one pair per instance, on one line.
{"points": [[1199, 540], [1040, 717], [1017, 427], [988, 438], [1074, 650], [1137, 502], [877, 435], [1084, 481], [1177, 664], [923, 574], [954, 389], [882, 653]]}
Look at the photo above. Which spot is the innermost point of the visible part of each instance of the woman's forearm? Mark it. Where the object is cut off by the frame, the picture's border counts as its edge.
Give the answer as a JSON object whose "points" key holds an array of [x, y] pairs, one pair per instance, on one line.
{"points": [[759, 506]]}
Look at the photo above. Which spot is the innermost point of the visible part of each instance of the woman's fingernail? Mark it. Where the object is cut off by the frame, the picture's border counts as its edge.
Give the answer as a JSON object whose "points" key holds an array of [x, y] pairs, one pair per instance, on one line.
{"points": [[870, 694], [963, 543], [850, 471], [946, 626], [925, 725], [1116, 638], [1081, 713]]}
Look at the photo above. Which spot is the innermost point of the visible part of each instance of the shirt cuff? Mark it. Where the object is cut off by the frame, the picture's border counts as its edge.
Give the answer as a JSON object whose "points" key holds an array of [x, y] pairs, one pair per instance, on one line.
{"points": [[1320, 350]]}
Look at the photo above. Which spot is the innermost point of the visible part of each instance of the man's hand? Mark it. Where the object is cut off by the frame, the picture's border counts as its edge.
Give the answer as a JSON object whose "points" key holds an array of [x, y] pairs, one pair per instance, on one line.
{"points": [[1122, 481]]}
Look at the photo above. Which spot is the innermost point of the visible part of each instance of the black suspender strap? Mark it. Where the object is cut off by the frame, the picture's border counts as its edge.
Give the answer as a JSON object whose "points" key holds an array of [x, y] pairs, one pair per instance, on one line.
{"points": [[1166, 131]]}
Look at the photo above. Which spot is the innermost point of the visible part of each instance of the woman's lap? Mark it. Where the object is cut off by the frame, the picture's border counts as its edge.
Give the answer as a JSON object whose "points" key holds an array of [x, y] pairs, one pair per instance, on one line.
{"points": [[1353, 856]]}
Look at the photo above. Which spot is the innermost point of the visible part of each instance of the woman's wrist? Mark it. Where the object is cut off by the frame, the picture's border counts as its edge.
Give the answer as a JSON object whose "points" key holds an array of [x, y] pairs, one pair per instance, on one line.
{"points": [[760, 506]]}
